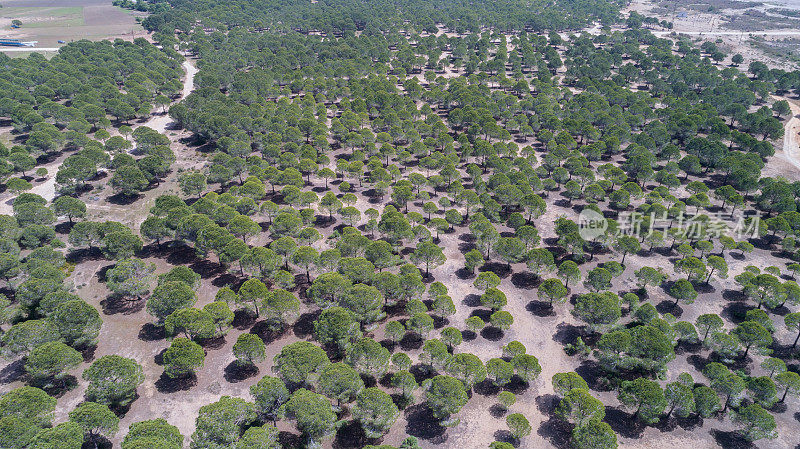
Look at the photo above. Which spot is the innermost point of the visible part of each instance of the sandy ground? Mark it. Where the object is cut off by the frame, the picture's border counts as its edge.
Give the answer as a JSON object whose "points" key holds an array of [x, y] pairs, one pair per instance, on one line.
{"points": [[159, 122], [543, 332]]}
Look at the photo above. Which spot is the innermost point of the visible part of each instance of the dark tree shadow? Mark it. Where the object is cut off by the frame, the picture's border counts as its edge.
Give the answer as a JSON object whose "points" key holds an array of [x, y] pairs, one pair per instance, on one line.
{"points": [[623, 423], [492, 333], [411, 341], [288, 439], [472, 300], [167, 385], [731, 440], [567, 333], [506, 437], [497, 411], [486, 388], [350, 436], [517, 385], [151, 332], [237, 371], [58, 387], [669, 307], [540, 309], [227, 280], [464, 274], [121, 199], [116, 304], [547, 403], [12, 372], [690, 423], [525, 280], [243, 319], [212, 343], [502, 270], [304, 326], [593, 374], [735, 311], [556, 431], [468, 335], [267, 332], [422, 424]]}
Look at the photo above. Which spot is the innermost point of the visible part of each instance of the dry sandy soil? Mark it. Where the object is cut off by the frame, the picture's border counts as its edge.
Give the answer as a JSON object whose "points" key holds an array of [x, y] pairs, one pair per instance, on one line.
{"points": [[127, 331]]}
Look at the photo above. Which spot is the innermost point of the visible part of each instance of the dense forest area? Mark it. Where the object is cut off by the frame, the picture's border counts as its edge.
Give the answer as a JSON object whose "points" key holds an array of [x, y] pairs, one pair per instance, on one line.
{"points": [[372, 225]]}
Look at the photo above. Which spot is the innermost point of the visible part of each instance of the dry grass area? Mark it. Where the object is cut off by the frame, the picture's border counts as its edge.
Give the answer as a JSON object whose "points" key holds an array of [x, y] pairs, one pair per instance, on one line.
{"points": [[48, 21]]}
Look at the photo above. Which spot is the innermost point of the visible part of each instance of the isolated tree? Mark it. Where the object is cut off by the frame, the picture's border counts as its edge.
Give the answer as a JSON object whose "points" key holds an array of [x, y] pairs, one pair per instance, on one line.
{"points": [[708, 324], [337, 327], [191, 322], [77, 322], [67, 435], [445, 396], [28, 404], [725, 382], [594, 435], [645, 396], [23, 337], [518, 425], [252, 293], [221, 423], [752, 333], [51, 360], [368, 357], [153, 433], [96, 420], [625, 245], [789, 382], [683, 291], [375, 411], [494, 299], [429, 255], [192, 183], [70, 207], [579, 407], [249, 349], [113, 380], [563, 383], [680, 398], [130, 277], [312, 414], [270, 393], [755, 423], [300, 362], [526, 367], [486, 280], [598, 310], [467, 368], [552, 290], [341, 382]]}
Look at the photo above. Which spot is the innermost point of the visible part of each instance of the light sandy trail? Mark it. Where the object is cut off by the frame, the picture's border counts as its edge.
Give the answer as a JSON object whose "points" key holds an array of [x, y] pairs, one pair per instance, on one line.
{"points": [[791, 149], [18, 49], [47, 189]]}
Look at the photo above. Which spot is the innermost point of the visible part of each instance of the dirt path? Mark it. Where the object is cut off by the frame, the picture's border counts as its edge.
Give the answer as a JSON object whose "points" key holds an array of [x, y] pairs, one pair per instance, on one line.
{"points": [[786, 162], [47, 189], [791, 149]]}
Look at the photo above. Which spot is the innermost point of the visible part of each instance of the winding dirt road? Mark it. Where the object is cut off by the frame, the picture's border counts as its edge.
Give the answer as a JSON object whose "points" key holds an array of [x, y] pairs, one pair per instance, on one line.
{"points": [[791, 148], [47, 189]]}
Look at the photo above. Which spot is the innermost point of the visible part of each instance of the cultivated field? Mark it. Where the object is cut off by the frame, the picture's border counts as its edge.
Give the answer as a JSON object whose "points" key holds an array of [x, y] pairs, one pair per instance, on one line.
{"points": [[49, 21]]}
